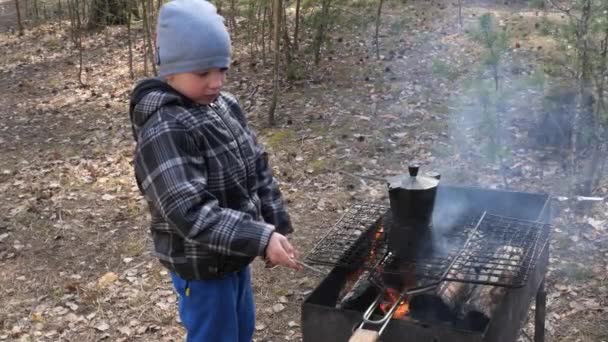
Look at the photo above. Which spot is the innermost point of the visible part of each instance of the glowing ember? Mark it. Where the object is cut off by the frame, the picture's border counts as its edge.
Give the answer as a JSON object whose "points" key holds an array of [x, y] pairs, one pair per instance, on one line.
{"points": [[390, 297]]}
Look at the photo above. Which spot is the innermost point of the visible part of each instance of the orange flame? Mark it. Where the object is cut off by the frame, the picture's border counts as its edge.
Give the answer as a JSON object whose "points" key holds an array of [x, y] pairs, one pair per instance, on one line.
{"points": [[390, 297]]}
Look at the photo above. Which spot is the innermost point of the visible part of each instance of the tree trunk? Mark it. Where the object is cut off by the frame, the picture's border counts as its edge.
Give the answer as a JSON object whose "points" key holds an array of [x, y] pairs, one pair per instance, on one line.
{"points": [[584, 75], [107, 12], [297, 27], [321, 26], [149, 52], [36, 9], [130, 41], [286, 40], [264, 16], [378, 16], [460, 14], [19, 23], [233, 14], [76, 29], [276, 11]]}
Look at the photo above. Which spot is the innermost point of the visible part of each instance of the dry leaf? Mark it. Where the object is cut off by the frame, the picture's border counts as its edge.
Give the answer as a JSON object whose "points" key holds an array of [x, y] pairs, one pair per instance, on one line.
{"points": [[108, 197], [107, 279], [278, 308], [597, 224], [102, 326], [260, 326], [125, 331]]}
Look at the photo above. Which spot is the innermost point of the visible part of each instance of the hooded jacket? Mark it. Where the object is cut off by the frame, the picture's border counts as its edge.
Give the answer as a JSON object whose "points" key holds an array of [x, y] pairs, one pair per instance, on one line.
{"points": [[211, 194]]}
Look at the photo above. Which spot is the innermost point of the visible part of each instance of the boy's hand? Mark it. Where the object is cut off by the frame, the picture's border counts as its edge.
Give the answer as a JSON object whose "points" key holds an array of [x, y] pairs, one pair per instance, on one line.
{"points": [[280, 252]]}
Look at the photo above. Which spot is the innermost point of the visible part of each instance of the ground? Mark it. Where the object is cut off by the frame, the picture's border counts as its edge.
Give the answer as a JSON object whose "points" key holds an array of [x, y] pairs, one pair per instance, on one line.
{"points": [[75, 259]]}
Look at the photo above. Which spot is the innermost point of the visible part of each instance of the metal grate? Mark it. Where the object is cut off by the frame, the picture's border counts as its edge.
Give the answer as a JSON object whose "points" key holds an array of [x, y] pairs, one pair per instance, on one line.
{"points": [[474, 248], [349, 242], [502, 252]]}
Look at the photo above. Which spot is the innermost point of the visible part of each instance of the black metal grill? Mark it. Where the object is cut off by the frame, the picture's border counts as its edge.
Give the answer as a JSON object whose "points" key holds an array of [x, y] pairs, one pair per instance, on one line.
{"points": [[476, 247], [524, 227]]}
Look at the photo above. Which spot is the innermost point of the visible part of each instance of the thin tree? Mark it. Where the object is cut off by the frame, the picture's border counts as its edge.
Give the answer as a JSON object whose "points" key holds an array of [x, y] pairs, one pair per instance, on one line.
{"points": [[129, 38], [276, 11], [322, 20], [19, 23], [378, 16], [297, 27], [233, 14], [36, 13], [263, 35], [460, 13], [149, 51], [287, 41], [76, 28], [251, 20]]}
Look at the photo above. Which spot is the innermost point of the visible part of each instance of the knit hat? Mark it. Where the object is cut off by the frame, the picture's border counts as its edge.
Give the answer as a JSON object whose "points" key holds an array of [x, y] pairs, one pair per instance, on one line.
{"points": [[191, 37]]}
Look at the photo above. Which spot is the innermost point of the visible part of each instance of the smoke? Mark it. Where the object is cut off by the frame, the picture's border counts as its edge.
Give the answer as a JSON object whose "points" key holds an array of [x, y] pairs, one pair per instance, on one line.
{"points": [[496, 114]]}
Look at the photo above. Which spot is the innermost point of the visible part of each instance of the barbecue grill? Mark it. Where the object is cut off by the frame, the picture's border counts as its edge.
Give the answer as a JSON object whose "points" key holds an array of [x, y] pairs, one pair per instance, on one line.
{"points": [[469, 226]]}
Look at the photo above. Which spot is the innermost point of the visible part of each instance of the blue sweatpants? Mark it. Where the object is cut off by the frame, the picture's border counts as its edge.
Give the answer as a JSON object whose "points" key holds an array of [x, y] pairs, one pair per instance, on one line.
{"points": [[217, 310]]}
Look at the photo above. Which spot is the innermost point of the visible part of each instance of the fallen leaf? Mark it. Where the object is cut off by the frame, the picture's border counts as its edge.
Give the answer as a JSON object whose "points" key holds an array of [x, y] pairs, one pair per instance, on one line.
{"points": [[125, 331], [278, 308], [37, 317], [597, 224], [103, 326], [72, 306], [107, 197], [260, 326], [107, 279]]}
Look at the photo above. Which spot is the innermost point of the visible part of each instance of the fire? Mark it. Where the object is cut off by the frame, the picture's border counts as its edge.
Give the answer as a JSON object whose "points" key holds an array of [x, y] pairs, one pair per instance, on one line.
{"points": [[377, 236], [371, 259], [390, 297]]}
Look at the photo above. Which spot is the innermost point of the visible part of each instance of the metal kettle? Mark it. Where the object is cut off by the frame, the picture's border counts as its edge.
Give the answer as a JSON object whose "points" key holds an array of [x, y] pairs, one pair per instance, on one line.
{"points": [[412, 200], [412, 197]]}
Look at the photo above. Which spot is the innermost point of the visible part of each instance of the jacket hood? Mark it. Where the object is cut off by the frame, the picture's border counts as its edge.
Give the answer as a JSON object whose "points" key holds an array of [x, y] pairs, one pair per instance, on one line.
{"points": [[147, 98]]}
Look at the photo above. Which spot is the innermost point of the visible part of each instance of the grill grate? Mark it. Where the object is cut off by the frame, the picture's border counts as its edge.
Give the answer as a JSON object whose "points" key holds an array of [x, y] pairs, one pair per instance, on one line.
{"points": [[475, 248]]}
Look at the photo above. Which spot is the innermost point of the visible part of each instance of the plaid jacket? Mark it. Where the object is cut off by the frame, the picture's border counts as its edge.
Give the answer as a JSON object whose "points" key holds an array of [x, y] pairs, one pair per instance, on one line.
{"points": [[212, 197]]}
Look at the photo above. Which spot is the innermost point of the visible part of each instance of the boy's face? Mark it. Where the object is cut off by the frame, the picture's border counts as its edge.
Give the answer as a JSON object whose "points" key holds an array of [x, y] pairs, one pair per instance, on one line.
{"points": [[202, 87]]}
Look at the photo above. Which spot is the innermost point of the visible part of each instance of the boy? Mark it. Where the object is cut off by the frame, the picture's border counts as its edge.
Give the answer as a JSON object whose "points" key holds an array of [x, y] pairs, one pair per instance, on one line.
{"points": [[213, 200]]}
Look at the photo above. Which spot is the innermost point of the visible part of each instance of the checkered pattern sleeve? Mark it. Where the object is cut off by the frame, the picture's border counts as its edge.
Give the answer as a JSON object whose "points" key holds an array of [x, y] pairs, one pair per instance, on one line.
{"points": [[171, 171]]}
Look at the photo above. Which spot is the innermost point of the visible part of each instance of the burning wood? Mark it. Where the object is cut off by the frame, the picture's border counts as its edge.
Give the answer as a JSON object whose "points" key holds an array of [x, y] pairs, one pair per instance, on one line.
{"points": [[358, 293], [485, 299], [359, 283], [454, 293]]}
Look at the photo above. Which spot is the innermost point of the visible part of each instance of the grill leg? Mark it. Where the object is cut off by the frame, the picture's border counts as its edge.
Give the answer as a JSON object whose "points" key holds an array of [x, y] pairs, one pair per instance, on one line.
{"points": [[541, 308]]}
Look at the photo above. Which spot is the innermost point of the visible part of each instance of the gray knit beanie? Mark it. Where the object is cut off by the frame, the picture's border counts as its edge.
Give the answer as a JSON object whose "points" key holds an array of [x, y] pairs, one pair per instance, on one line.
{"points": [[191, 37]]}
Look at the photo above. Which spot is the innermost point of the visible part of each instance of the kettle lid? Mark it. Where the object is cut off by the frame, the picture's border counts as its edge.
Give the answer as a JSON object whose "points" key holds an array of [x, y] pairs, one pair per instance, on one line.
{"points": [[413, 181]]}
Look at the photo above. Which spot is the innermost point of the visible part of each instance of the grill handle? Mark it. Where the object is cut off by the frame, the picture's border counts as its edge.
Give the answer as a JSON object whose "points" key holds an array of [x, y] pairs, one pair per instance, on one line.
{"points": [[383, 322]]}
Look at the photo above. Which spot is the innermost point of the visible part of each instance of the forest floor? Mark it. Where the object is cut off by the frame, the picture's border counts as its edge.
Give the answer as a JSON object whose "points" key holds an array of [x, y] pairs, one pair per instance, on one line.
{"points": [[75, 261]]}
